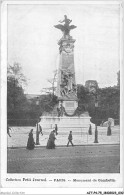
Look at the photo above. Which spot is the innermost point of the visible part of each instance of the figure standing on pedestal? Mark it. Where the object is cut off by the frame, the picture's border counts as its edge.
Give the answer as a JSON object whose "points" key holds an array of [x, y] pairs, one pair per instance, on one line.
{"points": [[65, 28], [62, 110], [66, 25]]}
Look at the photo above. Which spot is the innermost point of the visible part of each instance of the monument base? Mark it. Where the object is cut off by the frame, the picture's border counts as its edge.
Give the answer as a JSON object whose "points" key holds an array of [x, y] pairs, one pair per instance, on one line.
{"points": [[65, 123], [69, 105]]}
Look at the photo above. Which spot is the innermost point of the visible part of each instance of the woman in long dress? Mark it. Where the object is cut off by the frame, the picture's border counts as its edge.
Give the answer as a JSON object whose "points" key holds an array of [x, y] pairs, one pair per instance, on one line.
{"points": [[51, 140], [30, 143]]}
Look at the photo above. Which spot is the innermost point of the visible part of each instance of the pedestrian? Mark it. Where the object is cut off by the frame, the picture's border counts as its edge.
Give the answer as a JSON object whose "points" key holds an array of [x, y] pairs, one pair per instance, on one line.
{"points": [[109, 131], [102, 123], [51, 140], [56, 129], [30, 143], [90, 130], [58, 111], [8, 130], [40, 130], [70, 139]]}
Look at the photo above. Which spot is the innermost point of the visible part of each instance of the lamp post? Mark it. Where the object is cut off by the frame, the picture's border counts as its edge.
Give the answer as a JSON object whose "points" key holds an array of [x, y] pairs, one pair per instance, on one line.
{"points": [[37, 129], [96, 131]]}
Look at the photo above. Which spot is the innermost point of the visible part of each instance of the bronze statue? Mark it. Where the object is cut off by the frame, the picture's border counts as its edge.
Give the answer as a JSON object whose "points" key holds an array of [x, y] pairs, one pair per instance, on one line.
{"points": [[65, 28]]}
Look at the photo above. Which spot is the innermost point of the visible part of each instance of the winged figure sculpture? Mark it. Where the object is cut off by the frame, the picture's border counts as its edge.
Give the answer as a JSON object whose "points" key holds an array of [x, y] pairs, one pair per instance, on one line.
{"points": [[66, 27]]}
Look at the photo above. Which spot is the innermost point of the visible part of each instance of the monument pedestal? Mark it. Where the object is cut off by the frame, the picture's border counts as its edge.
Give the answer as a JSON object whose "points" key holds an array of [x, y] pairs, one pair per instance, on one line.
{"points": [[65, 123], [70, 106]]}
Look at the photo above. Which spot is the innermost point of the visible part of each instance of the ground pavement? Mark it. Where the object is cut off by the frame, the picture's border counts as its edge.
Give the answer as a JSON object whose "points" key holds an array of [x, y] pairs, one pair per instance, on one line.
{"points": [[77, 159], [19, 136]]}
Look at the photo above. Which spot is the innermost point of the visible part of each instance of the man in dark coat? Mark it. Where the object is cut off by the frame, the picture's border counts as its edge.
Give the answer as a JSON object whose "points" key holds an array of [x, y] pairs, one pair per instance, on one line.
{"points": [[56, 129], [70, 139]]}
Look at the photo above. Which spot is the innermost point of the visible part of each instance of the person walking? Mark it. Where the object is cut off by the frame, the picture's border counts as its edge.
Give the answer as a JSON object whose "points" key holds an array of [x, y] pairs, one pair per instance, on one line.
{"points": [[30, 143], [109, 131], [51, 140], [40, 130], [56, 129], [70, 139], [8, 130]]}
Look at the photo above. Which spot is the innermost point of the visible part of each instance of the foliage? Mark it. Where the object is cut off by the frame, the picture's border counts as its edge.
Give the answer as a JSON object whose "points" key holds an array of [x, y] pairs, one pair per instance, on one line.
{"points": [[108, 102], [15, 93], [52, 88], [15, 96], [84, 97], [21, 111], [15, 72], [48, 102], [16, 99], [19, 108]]}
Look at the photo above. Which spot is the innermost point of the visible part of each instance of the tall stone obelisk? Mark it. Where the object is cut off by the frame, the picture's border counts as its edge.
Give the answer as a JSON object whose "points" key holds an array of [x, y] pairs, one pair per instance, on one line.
{"points": [[66, 84], [67, 114]]}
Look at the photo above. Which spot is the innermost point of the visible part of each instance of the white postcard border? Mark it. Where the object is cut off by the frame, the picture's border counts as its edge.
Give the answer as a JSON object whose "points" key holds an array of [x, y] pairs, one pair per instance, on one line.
{"points": [[51, 184]]}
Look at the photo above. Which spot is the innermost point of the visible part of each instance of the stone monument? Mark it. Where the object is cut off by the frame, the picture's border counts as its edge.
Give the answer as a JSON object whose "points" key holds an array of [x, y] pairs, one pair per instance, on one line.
{"points": [[68, 113], [66, 85]]}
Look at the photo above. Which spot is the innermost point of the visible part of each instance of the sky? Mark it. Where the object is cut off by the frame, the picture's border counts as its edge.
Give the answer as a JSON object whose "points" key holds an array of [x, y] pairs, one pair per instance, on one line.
{"points": [[33, 42]]}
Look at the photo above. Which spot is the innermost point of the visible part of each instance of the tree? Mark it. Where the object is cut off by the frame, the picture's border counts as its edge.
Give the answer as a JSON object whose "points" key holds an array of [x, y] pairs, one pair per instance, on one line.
{"points": [[91, 85], [16, 99], [52, 81], [15, 95], [109, 102], [15, 81], [49, 99], [84, 97], [15, 72]]}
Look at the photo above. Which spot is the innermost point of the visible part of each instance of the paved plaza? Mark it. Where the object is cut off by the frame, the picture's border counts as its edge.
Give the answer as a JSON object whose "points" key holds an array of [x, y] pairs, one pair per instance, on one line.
{"points": [[85, 157], [77, 159], [19, 136]]}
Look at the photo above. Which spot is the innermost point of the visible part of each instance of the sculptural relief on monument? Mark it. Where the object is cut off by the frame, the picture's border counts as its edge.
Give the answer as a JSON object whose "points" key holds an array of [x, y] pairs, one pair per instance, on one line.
{"points": [[66, 47], [67, 83]]}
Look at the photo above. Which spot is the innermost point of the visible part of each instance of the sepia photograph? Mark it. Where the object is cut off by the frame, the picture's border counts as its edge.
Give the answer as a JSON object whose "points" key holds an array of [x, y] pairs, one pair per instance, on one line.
{"points": [[61, 84]]}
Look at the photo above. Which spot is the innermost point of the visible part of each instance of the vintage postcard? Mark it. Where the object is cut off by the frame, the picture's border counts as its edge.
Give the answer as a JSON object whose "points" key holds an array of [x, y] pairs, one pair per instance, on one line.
{"points": [[61, 91]]}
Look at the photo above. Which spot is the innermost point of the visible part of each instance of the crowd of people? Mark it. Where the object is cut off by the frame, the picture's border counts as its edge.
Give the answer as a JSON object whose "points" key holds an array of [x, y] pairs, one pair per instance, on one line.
{"points": [[52, 136], [51, 139]]}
